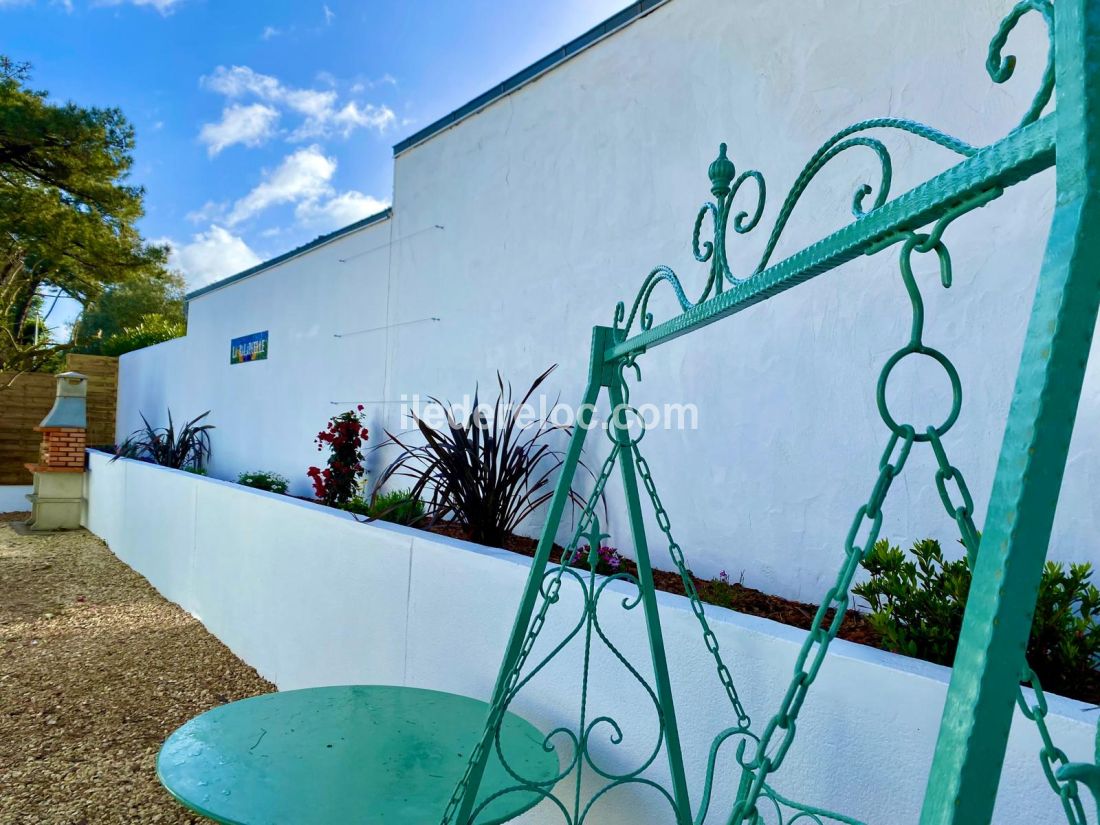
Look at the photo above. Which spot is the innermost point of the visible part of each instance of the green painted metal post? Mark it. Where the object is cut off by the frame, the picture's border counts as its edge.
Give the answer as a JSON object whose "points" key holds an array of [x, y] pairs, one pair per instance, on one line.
{"points": [[963, 782], [597, 375], [649, 605]]}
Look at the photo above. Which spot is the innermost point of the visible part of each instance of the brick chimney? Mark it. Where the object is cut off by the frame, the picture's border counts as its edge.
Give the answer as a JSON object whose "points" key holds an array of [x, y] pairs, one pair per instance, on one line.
{"points": [[62, 450], [63, 429]]}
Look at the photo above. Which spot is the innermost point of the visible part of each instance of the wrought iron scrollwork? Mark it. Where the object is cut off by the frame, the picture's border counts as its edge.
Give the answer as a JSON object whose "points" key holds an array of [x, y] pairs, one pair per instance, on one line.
{"points": [[726, 183], [588, 628], [1001, 67]]}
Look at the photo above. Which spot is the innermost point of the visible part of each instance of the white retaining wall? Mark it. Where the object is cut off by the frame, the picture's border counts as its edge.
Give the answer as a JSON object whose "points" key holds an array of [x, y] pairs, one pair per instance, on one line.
{"points": [[310, 597], [554, 203], [13, 498]]}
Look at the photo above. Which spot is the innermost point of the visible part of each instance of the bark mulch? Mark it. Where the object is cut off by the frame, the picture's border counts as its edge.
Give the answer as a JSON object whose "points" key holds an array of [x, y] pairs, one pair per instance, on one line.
{"points": [[96, 669], [735, 596]]}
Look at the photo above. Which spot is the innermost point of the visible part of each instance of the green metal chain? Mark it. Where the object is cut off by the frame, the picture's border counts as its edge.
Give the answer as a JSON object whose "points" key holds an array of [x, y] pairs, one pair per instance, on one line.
{"points": [[496, 710], [817, 641], [1051, 756], [677, 554]]}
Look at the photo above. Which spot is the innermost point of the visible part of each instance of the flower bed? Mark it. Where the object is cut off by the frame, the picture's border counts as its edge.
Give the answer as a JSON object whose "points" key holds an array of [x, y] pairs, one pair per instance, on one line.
{"points": [[732, 595]]}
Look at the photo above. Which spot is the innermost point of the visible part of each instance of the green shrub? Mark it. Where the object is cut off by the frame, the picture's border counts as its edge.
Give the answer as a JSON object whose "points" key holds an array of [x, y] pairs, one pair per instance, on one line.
{"points": [[357, 505], [154, 330], [397, 506], [1065, 635], [918, 603], [264, 480], [721, 591]]}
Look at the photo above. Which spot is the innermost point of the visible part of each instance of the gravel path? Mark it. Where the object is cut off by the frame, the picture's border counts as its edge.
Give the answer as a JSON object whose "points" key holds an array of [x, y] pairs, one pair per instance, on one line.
{"points": [[96, 669]]}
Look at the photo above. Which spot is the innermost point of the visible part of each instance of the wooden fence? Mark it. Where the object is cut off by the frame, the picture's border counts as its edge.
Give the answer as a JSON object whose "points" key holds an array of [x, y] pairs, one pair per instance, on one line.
{"points": [[25, 403]]}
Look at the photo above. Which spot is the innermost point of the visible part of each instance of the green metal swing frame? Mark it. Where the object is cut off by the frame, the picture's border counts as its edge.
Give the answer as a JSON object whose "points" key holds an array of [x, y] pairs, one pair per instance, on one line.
{"points": [[962, 784]]}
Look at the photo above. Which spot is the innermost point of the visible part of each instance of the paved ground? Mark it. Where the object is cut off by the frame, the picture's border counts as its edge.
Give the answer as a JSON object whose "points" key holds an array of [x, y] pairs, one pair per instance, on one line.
{"points": [[96, 669]]}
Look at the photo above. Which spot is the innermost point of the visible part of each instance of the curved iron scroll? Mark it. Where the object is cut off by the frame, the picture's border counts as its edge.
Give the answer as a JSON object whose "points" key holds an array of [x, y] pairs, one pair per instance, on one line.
{"points": [[726, 183]]}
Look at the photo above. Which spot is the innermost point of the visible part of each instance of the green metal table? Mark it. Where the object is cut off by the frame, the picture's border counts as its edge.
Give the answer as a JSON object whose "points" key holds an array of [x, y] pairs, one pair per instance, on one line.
{"points": [[351, 754]]}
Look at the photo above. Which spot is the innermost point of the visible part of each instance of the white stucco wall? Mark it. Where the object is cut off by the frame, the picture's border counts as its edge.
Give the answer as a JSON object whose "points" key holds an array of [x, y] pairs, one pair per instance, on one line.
{"points": [[557, 199], [13, 498], [310, 597], [267, 412]]}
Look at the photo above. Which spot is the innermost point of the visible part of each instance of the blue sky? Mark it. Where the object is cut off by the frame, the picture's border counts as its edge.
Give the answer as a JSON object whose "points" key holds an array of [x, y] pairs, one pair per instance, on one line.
{"points": [[262, 125]]}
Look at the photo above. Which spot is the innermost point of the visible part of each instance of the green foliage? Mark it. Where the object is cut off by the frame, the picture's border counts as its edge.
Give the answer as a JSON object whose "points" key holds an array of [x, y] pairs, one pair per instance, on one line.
{"points": [[917, 604], [1065, 635], [398, 506], [131, 315], [721, 591], [264, 480], [154, 330], [357, 505], [185, 449], [67, 213], [918, 600]]}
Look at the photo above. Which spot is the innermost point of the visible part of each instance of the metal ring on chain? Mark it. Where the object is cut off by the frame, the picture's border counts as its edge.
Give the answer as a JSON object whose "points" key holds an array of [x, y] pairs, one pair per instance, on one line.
{"points": [[618, 429], [952, 375]]}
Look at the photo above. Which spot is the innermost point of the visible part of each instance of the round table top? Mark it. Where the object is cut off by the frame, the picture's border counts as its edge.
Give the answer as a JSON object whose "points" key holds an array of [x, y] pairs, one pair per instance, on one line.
{"points": [[352, 754]]}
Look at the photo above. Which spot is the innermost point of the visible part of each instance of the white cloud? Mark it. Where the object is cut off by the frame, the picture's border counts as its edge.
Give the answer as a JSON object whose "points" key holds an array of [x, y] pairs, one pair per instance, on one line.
{"points": [[360, 86], [302, 176], [269, 32], [11, 4], [315, 104], [339, 210], [210, 211], [250, 125], [330, 15], [240, 80], [370, 116], [304, 179], [210, 255], [321, 116], [165, 7]]}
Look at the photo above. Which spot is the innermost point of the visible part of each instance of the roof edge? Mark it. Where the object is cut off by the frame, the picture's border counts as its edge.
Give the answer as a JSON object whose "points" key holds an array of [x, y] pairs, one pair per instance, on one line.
{"points": [[521, 78], [321, 240]]}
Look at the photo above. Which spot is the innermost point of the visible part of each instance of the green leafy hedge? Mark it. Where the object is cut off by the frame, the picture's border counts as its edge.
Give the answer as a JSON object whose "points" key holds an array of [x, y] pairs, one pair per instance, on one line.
{"points": [[917, 602]]}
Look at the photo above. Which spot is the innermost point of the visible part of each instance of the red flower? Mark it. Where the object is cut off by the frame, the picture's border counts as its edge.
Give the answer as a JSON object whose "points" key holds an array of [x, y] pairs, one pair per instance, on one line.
{"points": [[343, 435]]}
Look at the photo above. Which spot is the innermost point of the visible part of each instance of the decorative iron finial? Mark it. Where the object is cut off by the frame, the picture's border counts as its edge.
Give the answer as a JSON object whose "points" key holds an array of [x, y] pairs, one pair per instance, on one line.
{"points": [[721, 172], [595, 541]]}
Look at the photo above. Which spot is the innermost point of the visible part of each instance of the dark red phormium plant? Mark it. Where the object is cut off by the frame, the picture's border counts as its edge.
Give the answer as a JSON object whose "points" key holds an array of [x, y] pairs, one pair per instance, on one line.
{"points": [[485, 472], [344, 437]]}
